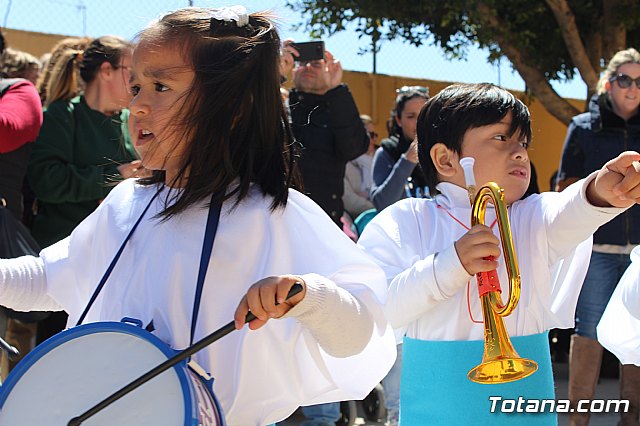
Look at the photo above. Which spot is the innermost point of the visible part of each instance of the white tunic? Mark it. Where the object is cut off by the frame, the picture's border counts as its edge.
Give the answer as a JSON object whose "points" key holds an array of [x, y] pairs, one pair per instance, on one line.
{"points": [[619, 327], [260, 376], [413, 242]]}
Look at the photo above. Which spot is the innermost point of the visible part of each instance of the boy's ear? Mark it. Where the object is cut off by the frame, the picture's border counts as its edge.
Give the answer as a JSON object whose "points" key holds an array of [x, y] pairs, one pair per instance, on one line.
{"points": [[444, 159]]}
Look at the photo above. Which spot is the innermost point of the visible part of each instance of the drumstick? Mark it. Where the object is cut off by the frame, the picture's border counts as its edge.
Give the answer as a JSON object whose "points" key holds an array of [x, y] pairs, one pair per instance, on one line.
{"points": [[180, 356], [11, 351]]}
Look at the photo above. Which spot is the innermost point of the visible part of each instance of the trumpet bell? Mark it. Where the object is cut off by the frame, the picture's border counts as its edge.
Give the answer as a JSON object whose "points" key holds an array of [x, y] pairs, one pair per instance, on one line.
{"points": [[502, 370]]}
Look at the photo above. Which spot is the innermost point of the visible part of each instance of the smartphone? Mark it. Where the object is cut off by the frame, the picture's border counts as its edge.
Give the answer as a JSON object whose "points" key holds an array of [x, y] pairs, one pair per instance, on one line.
{"points": [[309, 51]]}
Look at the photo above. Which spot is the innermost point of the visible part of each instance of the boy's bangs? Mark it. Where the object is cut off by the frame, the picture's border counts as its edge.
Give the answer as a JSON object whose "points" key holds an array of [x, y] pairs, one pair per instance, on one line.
{"points": [[520, 120], [492, 105]]}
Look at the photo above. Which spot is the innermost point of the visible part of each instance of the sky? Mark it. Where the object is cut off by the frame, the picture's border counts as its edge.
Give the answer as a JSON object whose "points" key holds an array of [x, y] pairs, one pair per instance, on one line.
{"points": [[127, 17]]}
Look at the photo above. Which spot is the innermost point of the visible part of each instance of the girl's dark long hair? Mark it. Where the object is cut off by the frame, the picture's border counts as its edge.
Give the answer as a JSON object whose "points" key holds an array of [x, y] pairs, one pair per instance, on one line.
{"points": [[233, 118], [401, 100]]}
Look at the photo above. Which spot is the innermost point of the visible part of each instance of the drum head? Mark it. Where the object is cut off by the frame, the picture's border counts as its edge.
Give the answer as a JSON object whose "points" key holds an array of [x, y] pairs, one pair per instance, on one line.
{"points": [[78, 368]]}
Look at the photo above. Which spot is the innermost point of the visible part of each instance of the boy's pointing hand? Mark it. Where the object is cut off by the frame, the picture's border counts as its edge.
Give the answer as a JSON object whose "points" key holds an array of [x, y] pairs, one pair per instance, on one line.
{"points": [[617, 183]]}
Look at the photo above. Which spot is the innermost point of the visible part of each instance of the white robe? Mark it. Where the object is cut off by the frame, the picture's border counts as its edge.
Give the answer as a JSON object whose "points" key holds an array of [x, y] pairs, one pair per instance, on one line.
{"points": [[260, 376], [552, 239], [619, 327]]}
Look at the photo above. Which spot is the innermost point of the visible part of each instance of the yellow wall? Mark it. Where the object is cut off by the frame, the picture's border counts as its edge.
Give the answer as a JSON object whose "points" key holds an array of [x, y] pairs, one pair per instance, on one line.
{"points": [[375, 96], [35, 43]]}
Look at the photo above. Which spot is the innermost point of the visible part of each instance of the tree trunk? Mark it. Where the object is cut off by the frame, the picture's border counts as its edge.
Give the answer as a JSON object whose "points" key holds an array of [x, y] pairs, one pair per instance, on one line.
{"points": [[613, 30], [535, 80], [593, 44], [571, 36]]}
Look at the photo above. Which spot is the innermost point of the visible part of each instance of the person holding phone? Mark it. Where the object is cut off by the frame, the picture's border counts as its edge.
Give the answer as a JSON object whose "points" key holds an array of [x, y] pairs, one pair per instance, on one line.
{"points": [[326, 122]]}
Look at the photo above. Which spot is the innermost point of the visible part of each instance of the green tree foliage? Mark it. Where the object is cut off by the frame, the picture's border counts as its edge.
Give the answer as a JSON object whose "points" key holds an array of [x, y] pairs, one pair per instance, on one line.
{"points": [[550, 40]]}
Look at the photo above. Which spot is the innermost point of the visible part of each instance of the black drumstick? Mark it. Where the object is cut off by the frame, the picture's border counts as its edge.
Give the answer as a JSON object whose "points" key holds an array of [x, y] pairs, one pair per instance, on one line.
{"points": [[11, 351], [180, 356]]}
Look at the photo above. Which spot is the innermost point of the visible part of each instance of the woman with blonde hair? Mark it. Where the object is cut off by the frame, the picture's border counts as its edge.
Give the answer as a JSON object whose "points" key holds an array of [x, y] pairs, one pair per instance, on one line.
{"points": [[84, 145], [57, 52], [611, 126]]}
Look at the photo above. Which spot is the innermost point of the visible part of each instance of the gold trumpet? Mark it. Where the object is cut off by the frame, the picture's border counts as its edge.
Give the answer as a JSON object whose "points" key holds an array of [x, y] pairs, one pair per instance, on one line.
{"points": [[500, 362]]}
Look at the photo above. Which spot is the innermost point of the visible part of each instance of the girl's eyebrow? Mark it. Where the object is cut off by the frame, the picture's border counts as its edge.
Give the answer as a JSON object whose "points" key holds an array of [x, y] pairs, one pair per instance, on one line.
{"points": [[159, 73]]}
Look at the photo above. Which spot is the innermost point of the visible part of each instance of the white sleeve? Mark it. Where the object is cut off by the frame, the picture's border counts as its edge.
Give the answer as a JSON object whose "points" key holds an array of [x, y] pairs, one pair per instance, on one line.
{"points": [[619, 328], [631, 290], [325, 310], [571, 219], [23, 285], [422, 286], [417, 281]]}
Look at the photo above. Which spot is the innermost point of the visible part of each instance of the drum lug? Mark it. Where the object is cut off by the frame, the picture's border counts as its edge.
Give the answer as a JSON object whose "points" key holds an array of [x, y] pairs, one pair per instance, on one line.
{"points": [[200, 371], [132, 321]]}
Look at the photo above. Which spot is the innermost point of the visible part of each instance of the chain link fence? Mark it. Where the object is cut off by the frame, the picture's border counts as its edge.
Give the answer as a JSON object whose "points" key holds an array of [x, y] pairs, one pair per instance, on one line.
{"points": [[127, 17]]}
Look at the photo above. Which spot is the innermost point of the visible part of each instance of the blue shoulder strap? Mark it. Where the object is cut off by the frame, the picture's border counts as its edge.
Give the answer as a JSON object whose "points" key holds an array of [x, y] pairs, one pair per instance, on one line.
{"points": [[207, 248], [112, 265]]}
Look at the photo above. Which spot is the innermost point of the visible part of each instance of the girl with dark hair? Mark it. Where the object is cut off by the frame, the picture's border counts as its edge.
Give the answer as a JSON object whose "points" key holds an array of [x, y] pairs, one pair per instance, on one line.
{"points": [[396, 173], [207, 118]]}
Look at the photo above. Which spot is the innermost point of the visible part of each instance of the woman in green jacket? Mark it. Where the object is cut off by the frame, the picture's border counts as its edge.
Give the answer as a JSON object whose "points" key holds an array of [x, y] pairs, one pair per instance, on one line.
{"points": [[83, 147]]}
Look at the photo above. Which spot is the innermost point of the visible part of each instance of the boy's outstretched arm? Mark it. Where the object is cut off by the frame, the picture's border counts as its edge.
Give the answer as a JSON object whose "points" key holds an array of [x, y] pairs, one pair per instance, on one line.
{"points": [[617, 184]]}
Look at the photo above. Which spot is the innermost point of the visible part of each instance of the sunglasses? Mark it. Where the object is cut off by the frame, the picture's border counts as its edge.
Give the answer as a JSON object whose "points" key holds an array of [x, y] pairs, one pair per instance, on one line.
{"points": [[409, 89], [373, 135], [624, 81]]}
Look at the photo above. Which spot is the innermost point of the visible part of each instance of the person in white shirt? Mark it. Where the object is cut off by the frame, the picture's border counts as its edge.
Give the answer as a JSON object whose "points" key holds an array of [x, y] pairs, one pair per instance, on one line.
{"points": [[208, 121], [431, 257], [619, 329]]}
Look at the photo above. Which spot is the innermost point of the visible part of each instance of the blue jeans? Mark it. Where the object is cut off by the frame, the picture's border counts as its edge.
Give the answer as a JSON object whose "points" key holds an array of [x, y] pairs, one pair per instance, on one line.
{"points": [[322, 414], [391, 385], [605, 270]]}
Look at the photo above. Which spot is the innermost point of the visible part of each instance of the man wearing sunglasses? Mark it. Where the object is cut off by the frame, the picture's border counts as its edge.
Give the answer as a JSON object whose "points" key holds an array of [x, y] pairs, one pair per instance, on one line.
{"points": [[611, 126]]}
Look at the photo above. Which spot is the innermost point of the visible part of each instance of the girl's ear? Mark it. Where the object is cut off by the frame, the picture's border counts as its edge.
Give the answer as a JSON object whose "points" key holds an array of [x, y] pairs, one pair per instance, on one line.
{"points": [[444, 160], [395, 117], [106, 70]]}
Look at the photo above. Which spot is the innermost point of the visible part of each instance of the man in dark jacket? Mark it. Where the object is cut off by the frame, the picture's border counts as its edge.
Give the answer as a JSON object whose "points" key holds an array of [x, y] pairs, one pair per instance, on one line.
{"points": [[327, 124]]}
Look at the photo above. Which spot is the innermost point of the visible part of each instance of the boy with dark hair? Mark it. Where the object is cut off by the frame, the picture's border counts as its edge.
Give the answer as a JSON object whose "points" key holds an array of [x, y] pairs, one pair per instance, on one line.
{"points": [[431, 254]]}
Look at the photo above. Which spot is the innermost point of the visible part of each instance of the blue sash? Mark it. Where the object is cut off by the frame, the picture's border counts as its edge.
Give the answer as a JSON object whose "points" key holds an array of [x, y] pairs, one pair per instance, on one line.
{"points": [[435, 389]]}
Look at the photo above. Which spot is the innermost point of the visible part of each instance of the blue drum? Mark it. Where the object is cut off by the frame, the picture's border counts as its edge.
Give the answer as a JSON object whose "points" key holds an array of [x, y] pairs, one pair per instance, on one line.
{"points": [[78, 368]]}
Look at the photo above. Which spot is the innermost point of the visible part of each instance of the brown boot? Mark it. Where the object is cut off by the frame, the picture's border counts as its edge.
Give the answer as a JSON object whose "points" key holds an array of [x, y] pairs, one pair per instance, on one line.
{"points": [[630, 389], [585, 357]]}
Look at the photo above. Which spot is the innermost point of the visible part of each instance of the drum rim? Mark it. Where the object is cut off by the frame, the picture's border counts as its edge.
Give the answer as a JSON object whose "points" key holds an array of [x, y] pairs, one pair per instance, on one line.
{"points": [[45, 347]]}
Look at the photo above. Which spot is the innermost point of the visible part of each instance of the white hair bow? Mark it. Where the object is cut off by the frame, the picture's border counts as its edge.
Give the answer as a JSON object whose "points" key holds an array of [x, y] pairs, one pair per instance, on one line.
{"points": [[233, 13]]}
